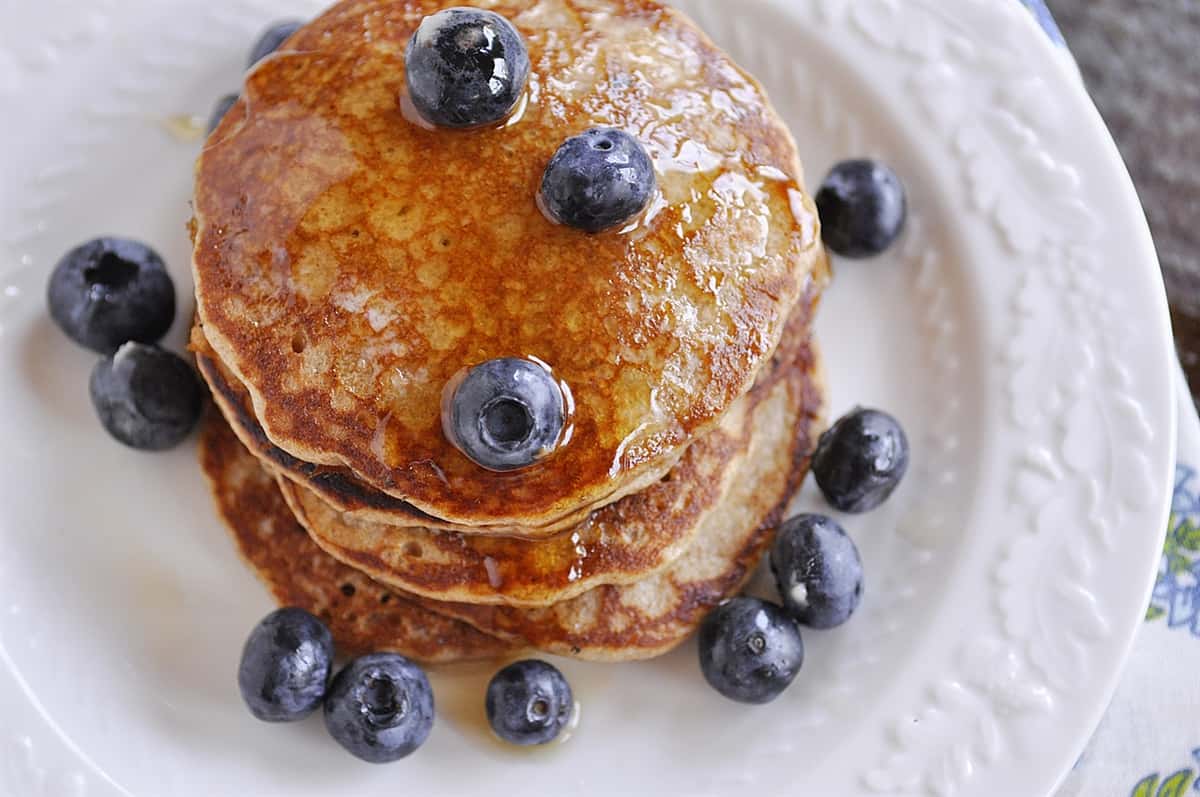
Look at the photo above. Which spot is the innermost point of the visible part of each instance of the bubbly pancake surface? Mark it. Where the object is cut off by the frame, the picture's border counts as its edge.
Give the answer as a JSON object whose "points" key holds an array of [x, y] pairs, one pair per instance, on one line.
{"points": [[349, 262]]}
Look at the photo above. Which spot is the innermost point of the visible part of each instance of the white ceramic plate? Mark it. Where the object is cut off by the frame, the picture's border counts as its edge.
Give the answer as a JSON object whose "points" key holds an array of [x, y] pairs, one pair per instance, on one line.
{"points": [[1020, 332]]}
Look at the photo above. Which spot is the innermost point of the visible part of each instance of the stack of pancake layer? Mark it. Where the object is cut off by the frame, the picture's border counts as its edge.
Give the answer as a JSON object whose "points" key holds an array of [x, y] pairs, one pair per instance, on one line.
{"points": [[349, 263]]}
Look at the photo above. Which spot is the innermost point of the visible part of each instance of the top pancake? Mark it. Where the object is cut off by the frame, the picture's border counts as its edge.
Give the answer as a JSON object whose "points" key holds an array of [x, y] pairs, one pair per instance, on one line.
{"points": [[348, 262]]}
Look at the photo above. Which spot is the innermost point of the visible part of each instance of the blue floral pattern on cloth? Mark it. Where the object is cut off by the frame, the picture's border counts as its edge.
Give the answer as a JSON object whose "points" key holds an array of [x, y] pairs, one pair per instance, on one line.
{"points": [[1177, 592]]}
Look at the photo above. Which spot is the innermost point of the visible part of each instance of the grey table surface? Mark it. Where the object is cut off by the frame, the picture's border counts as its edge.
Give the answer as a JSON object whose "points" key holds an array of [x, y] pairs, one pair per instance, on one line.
{"points": [[1141, 61]]}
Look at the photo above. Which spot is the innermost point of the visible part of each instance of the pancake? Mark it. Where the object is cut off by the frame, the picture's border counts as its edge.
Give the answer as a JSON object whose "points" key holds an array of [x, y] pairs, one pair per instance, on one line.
{"points": [[343, 491], [622, 543], [610, 623], [363, 615], [349, 263], [652, 616], [339, 486]]}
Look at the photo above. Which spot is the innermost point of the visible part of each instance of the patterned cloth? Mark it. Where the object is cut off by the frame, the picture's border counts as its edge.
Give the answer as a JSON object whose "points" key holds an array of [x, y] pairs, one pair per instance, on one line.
{"points": [[1148, 744]]}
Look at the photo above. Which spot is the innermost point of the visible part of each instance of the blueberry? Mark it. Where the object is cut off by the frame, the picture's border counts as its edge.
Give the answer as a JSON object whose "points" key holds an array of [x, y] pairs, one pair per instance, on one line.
{"points": [[146, 398], [598, 180], [750, 650], [380, 708], [818, 571], [109, 291], [861, 460], [529, 703], [505, 414], [466, 67], [272, 38], [285, 666], [862, 208], [219, 110]]}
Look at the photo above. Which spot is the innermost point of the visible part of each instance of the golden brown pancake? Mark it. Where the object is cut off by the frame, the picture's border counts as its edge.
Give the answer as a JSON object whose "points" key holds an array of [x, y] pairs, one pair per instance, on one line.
{"points": [[624, 542], [650, 617], [343, 491], [621, 543], [637, 621], [364, 616], [339, 486], [348, 263]]}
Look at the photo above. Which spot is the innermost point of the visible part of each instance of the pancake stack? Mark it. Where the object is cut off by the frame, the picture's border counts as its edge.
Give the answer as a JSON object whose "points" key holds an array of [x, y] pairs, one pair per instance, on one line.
{"points": [[350, 264]]}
